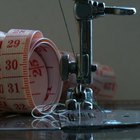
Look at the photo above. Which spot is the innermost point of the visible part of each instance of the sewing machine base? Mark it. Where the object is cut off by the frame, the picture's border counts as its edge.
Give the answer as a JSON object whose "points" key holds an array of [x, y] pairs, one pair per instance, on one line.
{"points": [[73, 121]]}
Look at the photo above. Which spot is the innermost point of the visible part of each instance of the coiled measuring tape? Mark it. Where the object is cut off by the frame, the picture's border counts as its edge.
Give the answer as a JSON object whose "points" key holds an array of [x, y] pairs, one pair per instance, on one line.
{"points": [[29, 71]]}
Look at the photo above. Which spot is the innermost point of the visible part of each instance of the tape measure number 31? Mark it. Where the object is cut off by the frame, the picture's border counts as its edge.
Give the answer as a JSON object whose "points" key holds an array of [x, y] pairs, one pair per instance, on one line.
{"points": [[29, 71]]}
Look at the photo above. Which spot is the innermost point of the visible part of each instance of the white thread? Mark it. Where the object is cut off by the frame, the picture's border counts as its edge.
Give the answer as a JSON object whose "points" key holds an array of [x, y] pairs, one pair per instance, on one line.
{"points": [[43, 111]]}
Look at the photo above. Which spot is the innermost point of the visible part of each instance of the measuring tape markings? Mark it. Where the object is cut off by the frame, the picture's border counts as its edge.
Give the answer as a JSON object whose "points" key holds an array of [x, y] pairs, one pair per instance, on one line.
{"points": [[53, 72], [14, 52], [27, 80]]}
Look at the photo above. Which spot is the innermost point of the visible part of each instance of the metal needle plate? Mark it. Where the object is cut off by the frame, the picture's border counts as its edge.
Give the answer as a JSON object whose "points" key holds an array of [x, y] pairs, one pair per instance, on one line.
{"points": [[73, 121]]}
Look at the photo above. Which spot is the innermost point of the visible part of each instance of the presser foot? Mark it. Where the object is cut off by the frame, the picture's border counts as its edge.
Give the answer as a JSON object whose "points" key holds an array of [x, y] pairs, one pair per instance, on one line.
{"points": [[72, 104], [80, 105], [79, 100]]}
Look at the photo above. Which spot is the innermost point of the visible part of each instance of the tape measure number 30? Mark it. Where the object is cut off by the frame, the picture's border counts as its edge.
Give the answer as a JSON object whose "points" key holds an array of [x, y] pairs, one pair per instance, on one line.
{"points": [[29, 71]]}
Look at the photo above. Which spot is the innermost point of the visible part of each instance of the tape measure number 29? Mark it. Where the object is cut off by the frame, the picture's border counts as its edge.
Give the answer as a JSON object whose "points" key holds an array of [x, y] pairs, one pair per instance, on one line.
{"points": [[29, 71]]}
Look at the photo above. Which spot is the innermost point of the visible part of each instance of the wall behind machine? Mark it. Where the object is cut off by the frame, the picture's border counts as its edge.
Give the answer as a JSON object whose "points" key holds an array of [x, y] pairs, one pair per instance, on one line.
{"points": [[116, 38]]}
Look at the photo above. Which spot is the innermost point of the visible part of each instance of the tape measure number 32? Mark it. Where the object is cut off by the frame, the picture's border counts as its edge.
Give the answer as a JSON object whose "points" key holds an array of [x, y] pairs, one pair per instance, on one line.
{"points": [[29, 71]]}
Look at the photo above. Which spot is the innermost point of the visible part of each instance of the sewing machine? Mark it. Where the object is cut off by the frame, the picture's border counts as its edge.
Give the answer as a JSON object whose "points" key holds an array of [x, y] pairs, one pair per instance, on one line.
{"points": [[85, 12]]}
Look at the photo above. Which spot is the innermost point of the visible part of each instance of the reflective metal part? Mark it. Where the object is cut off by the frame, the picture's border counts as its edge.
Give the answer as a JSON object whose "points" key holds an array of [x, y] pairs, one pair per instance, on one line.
{"points": [[79, 97], [102, 120], [67, 67], [119, 10], [85, 11], [86, 120]]}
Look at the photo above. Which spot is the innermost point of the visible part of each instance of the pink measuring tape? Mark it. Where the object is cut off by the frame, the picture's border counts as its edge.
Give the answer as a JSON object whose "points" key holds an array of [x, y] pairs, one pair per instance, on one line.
{"points": [[29, 71], [30, 76]]}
